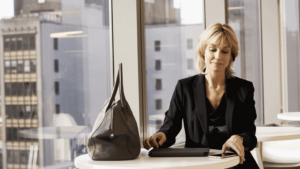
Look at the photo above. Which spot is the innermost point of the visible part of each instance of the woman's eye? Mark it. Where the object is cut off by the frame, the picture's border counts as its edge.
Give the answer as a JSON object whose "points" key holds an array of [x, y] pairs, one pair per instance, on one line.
{"points": [[213, 50], [224, 52]]}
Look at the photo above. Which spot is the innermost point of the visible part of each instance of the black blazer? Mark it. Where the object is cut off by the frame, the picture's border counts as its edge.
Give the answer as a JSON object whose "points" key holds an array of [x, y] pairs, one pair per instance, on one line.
{"points": [[188, 104]]}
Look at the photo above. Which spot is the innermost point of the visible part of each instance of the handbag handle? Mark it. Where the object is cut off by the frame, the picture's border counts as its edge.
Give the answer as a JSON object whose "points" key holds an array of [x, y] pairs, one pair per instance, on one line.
{"points": [[118, 84]]}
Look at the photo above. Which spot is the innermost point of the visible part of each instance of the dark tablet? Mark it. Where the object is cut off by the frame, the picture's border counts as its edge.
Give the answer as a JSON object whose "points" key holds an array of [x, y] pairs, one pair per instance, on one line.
{"points": [[178, 152]]}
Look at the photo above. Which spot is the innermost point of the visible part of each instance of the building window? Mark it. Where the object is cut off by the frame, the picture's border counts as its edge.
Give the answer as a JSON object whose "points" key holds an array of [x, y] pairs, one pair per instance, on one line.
{"points": [[7, 67], [25, 43], [13, 66], [157, 46], [20, 66], [57, 109], [56, 65], [158, 84], [190, 44], [32, 42], [55, 42], [32, 66], [13, 44], [8, 89], [26, 66], [6, 44], [157, 65], [190, 63], [19, 43], [158, 103], [56, 88]]}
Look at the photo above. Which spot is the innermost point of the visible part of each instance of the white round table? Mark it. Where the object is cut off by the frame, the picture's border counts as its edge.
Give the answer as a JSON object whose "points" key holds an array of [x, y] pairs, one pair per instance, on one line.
{"points": [[292, 116], [268, 134], [277, 133], [146, 162]]}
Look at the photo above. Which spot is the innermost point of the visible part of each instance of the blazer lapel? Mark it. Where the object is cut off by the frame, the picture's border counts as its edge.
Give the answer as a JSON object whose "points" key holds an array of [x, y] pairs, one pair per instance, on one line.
{"points": [[199, 94], [230, 97]]}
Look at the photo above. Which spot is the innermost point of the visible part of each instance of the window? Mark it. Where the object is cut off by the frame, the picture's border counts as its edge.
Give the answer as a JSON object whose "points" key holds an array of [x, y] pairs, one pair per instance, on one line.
{"points": [[13, 66], [26, 66], [32, 66], [20, 66], [248, 64], [7, 67], [8, 89], [57, 109], [158, 84], [25, 43], [158, 104], [157, 46], [56, 88], [44, 46], [190, 44], [32, 42], [55, 41], [19, 43], [6, 43], [13, 44], [171, 25], [157, 65], [190, 63], [291, 55], [55, 65]]}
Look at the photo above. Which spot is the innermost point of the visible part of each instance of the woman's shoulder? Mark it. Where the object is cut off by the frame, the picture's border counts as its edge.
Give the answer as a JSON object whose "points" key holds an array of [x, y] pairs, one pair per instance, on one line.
{"points": [[188, 80], [240, 82]]}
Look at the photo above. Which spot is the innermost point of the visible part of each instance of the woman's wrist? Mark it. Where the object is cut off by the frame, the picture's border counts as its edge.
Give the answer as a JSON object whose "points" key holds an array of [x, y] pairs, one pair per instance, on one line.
{"points": [[238, 137]]}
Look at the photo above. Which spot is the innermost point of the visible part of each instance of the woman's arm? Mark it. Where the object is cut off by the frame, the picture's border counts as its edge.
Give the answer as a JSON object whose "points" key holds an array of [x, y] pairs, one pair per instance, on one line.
{"points": [[248, 128], [173, 117]]}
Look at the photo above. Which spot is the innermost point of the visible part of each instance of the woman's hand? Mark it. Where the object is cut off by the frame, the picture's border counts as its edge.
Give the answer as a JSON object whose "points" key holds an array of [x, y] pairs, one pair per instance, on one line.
{"points": [[235, 142], [156, 140]]}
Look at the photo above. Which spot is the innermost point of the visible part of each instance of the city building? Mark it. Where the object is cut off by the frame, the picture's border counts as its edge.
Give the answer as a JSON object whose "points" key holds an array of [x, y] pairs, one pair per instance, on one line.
{"points": [[48, 57]]}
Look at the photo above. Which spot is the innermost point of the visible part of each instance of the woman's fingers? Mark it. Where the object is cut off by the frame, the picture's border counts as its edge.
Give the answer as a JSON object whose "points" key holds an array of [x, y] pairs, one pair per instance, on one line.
{"points": [[237, 149], [147, 144], [224, 148], [154, 140], [162, 140]]}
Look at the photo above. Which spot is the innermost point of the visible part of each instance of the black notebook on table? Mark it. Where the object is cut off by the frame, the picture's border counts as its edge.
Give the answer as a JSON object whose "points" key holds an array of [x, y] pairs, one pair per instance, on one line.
{"points": [[178, 152]]}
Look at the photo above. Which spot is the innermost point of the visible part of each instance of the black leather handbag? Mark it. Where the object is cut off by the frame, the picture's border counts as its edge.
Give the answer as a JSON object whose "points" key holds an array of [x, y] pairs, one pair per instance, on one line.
{"points": [[115, 133]]}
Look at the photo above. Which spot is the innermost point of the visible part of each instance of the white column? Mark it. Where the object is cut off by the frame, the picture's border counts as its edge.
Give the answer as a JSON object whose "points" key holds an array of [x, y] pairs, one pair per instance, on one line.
{"points": [[215, 12], [127, 49], [271, 60]]}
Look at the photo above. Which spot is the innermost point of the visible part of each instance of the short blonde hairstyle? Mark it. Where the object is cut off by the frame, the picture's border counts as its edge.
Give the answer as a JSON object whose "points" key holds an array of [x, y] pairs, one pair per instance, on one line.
{"points": [[217, 34]]}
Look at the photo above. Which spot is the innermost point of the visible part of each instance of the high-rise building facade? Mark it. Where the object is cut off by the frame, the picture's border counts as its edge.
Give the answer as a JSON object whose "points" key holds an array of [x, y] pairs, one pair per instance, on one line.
{"points": [[53, 67]]}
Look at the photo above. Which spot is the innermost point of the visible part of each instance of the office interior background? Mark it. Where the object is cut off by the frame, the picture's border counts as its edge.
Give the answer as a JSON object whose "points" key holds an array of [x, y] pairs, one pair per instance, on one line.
{"points": [[59, 59]]}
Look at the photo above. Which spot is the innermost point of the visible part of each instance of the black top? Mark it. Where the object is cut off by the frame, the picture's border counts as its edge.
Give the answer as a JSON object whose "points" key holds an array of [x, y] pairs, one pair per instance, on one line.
{"points": [[216, 118], [218, 134]]}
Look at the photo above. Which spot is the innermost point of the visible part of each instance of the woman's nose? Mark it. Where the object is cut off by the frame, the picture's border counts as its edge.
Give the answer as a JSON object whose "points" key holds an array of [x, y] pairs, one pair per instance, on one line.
{"points": [[217, 55]]}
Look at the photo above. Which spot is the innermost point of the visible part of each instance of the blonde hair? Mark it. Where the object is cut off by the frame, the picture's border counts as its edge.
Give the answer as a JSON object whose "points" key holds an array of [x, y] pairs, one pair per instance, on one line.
{"points": [[218, 34]]}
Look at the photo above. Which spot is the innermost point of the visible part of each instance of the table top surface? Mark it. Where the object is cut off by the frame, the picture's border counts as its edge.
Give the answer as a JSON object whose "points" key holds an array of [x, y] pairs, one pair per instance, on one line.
{"points": [[65, 132], [277, 133], [292, 116], [146, 162]]}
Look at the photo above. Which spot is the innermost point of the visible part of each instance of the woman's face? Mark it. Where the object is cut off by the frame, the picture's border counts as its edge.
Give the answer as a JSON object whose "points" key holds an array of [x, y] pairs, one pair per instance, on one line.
{"points": [[217, 57]]}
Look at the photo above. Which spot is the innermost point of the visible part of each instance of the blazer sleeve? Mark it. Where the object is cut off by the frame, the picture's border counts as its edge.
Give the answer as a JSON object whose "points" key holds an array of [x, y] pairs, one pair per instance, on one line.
{"points": [[248, 129], [173, 117]]}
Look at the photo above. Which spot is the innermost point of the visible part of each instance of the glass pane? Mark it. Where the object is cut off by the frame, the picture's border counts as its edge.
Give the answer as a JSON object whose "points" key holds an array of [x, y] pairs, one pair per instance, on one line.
{"points": [[172, 28], [290, 30], [244, 19], [34, 35]]}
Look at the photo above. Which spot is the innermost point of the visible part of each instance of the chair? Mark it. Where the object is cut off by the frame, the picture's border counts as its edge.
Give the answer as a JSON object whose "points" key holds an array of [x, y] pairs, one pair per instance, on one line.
{"points": [[281, 154]]}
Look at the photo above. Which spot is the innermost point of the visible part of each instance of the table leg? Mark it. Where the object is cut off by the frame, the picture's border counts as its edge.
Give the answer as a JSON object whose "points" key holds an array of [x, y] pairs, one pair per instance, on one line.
{"points": [[257, 154]]}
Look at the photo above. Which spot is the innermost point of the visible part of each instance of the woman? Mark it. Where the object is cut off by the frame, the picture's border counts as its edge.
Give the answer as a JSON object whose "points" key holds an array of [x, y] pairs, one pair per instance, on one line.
{"points": [[216, 107]]}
